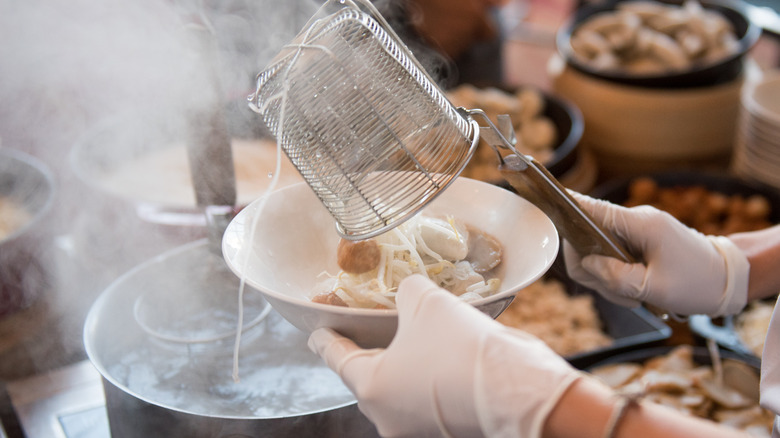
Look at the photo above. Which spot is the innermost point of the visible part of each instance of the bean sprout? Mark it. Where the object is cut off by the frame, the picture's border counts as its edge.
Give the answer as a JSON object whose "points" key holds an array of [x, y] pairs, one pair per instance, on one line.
{"points": [[433, 247]]}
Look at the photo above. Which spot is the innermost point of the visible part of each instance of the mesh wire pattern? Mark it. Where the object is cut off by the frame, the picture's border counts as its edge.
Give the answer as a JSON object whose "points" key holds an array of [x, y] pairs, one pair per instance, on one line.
{"points": [[362, 122]]}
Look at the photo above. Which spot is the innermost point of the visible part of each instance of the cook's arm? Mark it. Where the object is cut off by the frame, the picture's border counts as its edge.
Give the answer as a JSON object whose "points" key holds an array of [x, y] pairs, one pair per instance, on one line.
{"points": [[762, 249], [585, 409], [452, 371]]}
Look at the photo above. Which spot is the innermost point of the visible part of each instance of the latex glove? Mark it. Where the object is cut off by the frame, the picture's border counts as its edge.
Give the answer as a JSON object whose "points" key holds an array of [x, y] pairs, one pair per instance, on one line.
{"points": [[684, 271], [449, 371]]}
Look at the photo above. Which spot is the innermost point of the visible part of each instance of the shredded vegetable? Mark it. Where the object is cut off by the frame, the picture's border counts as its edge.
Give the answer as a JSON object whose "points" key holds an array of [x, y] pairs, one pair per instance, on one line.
{"points": [[436, 248]]}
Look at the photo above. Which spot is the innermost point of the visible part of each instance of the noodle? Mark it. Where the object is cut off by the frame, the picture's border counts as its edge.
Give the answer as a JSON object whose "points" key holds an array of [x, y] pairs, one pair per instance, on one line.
{"points": [[435, 248], [242, 282], [260, 207]]}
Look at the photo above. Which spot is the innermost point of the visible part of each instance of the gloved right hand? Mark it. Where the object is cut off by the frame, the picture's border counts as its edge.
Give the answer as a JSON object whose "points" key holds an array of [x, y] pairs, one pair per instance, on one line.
{"points": [[683, 271], [450, 371]]}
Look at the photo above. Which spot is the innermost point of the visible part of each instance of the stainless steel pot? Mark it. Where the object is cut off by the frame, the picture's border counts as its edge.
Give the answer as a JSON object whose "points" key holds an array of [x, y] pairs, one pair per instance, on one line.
{"points": [[158, 387]]}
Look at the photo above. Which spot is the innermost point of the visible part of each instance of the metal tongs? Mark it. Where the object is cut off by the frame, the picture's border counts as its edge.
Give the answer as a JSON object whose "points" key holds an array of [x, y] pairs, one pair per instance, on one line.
{"points": [[536, 184]]}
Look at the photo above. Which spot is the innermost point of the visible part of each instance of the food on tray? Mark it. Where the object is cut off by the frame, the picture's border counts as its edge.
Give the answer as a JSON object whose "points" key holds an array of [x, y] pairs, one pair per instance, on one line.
{"points": [[452, 254], [536, 134], [649, 37], [12, 216], [706, 210], [569, 324], [676, 381], [752, 325]]}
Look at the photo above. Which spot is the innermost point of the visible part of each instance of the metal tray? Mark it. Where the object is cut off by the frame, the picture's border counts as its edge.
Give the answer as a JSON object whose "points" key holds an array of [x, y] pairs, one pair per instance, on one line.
{"points": [[721, 330]]}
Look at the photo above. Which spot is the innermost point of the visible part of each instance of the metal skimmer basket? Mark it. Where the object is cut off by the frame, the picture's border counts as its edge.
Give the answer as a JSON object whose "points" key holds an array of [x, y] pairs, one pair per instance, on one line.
{"points": [[355, 112], [375, 137]]}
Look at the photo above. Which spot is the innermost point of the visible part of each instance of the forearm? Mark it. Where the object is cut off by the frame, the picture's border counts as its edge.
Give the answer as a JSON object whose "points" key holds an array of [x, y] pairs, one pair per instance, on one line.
{"points": [[762, 249], [584, 411]]}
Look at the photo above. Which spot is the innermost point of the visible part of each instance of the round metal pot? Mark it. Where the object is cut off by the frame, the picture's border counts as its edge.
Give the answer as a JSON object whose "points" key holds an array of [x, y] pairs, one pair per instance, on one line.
{"points": [[160, 337]]}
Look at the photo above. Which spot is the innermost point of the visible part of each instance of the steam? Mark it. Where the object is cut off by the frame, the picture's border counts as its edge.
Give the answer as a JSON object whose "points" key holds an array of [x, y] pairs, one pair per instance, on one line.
{"points": [[69, 65], [66, 67], [95, 57]]}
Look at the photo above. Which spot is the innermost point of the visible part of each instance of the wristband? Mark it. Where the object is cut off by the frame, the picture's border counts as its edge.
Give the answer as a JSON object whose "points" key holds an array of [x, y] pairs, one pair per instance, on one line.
{"points": [[618, 412]]}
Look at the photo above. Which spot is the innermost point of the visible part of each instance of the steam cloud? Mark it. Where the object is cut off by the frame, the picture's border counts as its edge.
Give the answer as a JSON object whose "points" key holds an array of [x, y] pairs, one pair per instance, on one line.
{"points": [[67, 65]]}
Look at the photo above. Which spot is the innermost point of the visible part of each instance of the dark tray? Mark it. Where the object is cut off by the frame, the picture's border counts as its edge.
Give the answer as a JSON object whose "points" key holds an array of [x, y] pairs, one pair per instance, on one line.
{"points": [[701, 356], [616, 190]]}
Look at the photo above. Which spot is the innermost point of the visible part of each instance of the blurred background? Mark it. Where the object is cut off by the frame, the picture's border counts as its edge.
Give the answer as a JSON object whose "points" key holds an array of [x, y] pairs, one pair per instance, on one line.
{"points": [[90, 85]]}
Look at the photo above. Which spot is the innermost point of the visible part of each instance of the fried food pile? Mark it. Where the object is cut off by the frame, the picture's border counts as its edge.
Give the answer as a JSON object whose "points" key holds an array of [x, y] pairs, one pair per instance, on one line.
{"points": [[708, 211], [752, 325], [567, 324]]}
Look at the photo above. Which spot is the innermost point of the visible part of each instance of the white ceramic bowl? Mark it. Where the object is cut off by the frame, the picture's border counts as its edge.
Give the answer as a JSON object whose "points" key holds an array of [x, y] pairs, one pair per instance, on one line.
{"points": [[282, 245]]}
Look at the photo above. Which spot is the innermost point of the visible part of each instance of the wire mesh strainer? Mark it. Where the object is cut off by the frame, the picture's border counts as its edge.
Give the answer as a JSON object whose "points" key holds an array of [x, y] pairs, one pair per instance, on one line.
{"points": [[376, 139], [361, 120]]}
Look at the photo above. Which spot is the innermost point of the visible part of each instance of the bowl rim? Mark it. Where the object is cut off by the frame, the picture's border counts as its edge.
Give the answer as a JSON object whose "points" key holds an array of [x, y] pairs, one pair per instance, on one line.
{"points": [[682, 79], [47, 176], [564, 154], [382, 313], [755, 110]]}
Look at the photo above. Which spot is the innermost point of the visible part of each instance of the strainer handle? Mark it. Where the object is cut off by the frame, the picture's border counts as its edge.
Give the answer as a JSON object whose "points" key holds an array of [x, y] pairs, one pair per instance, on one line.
{"points": [[535, 183]]}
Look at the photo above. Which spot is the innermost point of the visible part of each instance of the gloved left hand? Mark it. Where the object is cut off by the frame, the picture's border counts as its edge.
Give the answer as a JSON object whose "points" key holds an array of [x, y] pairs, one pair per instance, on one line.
{"points": [[683, 271], [449, 371]]}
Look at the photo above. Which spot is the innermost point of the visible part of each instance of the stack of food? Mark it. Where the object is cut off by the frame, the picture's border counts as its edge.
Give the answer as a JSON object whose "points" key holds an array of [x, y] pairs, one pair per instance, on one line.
{"points": [[455, 256], [658, 82], [649, 37], [536, 134]]}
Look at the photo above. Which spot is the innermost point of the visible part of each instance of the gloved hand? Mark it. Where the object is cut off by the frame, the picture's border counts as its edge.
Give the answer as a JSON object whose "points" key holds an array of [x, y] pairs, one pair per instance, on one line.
{"points": [[684, 271], [449, 371]]}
